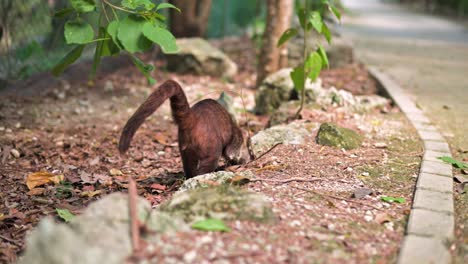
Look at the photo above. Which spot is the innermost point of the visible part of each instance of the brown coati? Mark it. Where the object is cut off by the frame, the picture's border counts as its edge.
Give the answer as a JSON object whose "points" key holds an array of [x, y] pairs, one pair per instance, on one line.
{"points": [[206, 130]]}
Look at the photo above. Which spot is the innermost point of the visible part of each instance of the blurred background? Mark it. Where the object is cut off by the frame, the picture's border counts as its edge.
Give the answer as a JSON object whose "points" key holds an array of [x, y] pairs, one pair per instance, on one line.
{"points": [[31, 39]]}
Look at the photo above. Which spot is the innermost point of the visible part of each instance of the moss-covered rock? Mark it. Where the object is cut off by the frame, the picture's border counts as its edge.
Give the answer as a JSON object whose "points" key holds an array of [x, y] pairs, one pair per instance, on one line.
{"points": [[332, 135], [224, 202]]}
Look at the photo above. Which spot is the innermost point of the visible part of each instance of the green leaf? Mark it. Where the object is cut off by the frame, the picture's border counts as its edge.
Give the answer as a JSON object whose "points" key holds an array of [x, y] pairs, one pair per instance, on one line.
{"points": [[145, 69], [160, 36], [112, 29], [166, 5], [392, 199], [454, 162], [316, 21], [335, 11], [98, 52], [326, 32], [71, 57], [297, 76], [211, 224], [27, 51], [83, 6], [303, 18], [78, 32], [134, 4], [287, 35], [323, 55], [65, 214], [130, 34], [64, 12], [313, 65]]}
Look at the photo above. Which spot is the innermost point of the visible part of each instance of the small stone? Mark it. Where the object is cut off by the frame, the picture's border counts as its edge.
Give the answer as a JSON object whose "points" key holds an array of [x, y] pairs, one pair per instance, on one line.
{"points": [[2, 128], [59, 144], [361, 193], [335, 136], [18, 125], [15, 153], [108, 86], [365, 174], [380, 145], [8, 130], [161, 153], [190, 256], [115, 172]]}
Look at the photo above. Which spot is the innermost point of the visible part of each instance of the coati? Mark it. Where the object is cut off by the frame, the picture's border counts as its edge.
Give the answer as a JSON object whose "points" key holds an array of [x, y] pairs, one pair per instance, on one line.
{"points": [[206, 130]]}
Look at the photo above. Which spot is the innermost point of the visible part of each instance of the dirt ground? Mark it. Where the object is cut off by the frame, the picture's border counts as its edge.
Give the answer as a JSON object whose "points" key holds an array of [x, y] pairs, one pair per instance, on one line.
{"points": [[72, 130]]}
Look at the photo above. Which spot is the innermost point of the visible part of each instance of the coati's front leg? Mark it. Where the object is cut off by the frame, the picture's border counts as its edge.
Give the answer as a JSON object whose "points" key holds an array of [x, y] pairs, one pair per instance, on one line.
{"points": [[236, 152], [194, 164]]}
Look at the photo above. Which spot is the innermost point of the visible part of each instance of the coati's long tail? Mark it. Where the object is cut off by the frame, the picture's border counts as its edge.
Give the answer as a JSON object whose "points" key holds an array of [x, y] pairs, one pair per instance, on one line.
{"points": [[179, 105]]}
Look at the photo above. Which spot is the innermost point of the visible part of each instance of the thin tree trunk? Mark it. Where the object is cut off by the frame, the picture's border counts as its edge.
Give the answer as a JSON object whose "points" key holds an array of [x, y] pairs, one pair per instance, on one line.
{"points": [[272, 58], [192, 21]]}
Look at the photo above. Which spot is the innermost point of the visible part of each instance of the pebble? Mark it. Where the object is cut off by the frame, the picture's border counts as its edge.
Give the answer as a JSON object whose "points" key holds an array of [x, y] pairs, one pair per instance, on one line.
{"points": [[2, 128], [190, 256], [108, 86], [161, 153], [8, 130], [365, 174], [15, 153]]}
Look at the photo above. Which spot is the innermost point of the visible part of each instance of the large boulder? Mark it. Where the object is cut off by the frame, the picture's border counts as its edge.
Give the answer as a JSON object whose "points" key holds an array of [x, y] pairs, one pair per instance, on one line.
{"points": [[293, 133], [335, 136], [99, 235], [198, 56], [223, 202]]}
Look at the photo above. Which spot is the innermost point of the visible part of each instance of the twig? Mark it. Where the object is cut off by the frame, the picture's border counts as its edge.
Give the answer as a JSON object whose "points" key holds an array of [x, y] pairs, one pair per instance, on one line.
{"points": [[264, 153], [134, 223], [10, 240], [289, 180], [337, 197]]}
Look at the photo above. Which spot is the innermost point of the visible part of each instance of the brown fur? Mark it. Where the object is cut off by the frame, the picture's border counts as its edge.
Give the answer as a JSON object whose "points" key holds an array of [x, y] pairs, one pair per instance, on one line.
{"points": [[206, 130]]}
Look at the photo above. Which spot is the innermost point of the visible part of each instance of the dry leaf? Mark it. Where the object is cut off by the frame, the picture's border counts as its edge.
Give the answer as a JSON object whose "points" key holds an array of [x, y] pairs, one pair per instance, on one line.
{"points": [[36, 191], [239, 180], [161, 138], [382, 218], [41, 178], [90, 193], [158, 186]]}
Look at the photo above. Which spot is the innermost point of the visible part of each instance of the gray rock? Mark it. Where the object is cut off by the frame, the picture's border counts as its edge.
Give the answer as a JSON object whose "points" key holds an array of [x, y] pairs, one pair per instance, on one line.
{"points": [[198, 56], [224, 202], [293, 133], [207, 180], [100, 235], [335, 136], [278, 88]]}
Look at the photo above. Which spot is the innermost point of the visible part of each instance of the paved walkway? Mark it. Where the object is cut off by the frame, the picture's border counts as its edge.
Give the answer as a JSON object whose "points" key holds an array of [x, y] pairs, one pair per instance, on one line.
{"points": [[427, 55]]}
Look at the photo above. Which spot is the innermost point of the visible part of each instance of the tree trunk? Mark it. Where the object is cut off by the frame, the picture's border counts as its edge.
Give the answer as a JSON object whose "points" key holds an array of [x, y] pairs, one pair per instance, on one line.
{"points": [[272, 58], [192, 21]]}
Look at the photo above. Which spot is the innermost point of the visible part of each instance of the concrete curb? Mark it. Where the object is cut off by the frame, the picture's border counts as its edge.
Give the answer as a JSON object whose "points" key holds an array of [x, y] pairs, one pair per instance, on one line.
{"points": [[431, 222]]}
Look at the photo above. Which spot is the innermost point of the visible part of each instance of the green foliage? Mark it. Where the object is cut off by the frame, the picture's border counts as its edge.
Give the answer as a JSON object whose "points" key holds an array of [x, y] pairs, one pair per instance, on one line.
{"points": [[454, 162], [312, 62], [65, 214], [132, 27], [211, 224], [389, 199], [78, 32]]}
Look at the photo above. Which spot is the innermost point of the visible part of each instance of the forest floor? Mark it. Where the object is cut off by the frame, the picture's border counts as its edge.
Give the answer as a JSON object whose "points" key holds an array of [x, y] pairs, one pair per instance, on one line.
{"points": [[73, 130]]}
